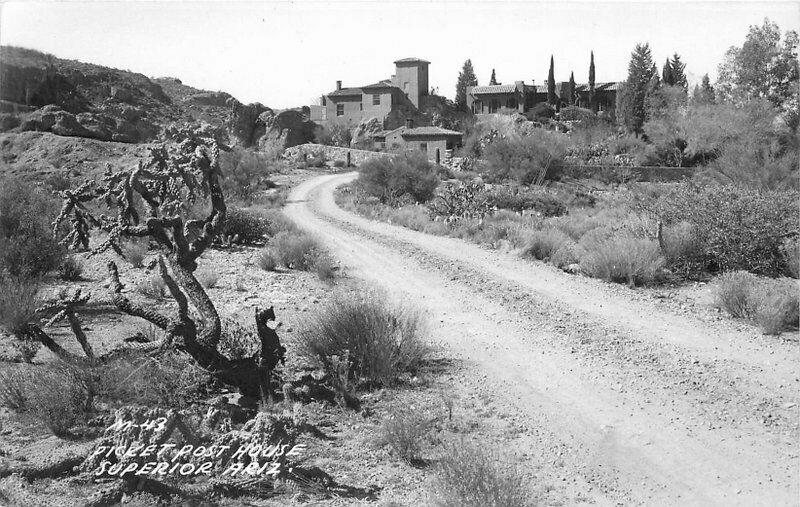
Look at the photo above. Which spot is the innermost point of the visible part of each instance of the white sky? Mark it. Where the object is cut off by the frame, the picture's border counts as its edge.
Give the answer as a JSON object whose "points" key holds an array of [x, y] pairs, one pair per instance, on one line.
{"points": [[288, 53]]}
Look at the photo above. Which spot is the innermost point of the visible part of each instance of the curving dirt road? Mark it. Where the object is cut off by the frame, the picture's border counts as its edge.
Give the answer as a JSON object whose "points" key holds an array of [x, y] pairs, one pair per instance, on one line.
{"points": [[618, 398]]}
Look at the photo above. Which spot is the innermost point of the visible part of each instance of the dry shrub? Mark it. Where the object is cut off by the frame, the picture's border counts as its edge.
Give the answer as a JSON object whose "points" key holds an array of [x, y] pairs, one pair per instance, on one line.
{"points": [[170, 379], [382, 341], [71, 269], [207, 278], [237, 341], [324, 266], [790, 251], [252, 226], [153, 287], [771, 304], [567, 254], [683, 250], [13, 389], [470, 476], [135, 251], [57, 395], [267, 260], [404, 430], [17, 308], [624, 259], [544, 243]]}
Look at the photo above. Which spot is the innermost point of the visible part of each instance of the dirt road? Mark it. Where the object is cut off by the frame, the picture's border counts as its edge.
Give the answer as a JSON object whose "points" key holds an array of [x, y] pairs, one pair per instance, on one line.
{"points": [[615, 397]]}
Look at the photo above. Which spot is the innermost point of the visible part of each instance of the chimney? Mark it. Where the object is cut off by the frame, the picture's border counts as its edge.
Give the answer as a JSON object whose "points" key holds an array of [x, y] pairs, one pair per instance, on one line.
{"points": [[338, 85], [409, 123]]}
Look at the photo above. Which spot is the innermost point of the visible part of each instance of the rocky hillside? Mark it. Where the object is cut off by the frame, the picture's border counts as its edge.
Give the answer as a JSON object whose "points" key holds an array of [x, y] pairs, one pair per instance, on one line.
{"points": [[39, 92]]}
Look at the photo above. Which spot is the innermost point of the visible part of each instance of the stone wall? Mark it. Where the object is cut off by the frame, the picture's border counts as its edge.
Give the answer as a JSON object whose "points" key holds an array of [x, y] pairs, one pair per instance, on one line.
{"points": [[332, 153]]}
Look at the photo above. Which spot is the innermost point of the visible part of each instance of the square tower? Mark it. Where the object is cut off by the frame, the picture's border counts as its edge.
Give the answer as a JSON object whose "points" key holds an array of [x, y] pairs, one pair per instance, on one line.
{"points": [[411, 76]]}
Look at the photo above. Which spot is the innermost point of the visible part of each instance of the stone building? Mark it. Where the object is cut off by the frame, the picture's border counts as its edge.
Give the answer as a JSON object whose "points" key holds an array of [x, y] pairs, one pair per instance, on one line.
{"points": [[397, 97], [521, 97], [435, 142]]}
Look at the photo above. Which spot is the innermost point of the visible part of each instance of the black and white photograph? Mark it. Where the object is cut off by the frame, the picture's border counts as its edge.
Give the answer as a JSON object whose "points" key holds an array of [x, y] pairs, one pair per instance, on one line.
{"points": [[401, 253]]}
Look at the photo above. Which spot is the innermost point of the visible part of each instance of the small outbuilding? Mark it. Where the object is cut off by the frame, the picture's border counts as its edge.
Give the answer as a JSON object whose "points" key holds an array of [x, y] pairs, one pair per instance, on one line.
{"points": [[435, 142]]}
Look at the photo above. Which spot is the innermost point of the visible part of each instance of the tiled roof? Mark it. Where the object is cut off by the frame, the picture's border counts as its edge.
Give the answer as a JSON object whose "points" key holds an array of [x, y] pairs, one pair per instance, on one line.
{"points": [[411, 60], [345, 92], [429, 131], [607, 86], [494, 89], [381, 84]]}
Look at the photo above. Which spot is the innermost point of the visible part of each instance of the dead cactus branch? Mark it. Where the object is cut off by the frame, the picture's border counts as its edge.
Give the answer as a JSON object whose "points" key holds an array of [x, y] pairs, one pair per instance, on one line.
{"points": [[178, 173]]}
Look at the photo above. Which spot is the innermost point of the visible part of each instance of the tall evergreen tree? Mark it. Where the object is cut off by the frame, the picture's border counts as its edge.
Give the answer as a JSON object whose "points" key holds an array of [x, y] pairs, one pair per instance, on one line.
{"points": [[678, 72], [465, 78], [571, 89], [632, 100], [591, 82], [704, 92], [667, 77], [551, 84], [493, 79]]}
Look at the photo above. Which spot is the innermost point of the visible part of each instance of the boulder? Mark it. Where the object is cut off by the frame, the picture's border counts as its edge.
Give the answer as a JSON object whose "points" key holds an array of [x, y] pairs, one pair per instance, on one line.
{"points": [[218, 99], [364, 130]]}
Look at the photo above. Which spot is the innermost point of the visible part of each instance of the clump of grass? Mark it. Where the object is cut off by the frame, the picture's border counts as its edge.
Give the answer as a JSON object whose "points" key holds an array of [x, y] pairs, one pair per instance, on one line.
{"points": [[404, 430], [383, 341], [56, 395], [469, 476], [267, 260], [71, 269], [13, 389], [771, 304], [207, 278], [17, 309], [134, 251], [624, 259], [567, 254], [153, 287], [542, 244], [298, 250]]}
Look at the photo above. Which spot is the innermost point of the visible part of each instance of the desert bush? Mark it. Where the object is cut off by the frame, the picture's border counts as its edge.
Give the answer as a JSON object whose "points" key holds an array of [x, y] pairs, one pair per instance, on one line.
{"points": [[567, 254], [542, 110], [58, 396], [772, 304], [542, 244], [683, 251], [58, 181], [335, 134], [26, 235], [207, 278], [624, 259], [529, 159], [459, 199], [519, 199], [391, 178], [471, 476], [245, 174], [294, 250], [134, 252], [382, 341], [249, 226], [323, 264], [170, 379], [71, 269], [267, 260], [412, 216], [739, 228], [237, 341], [404, 430], [18, 308], [13, 389], [153, 287], [575, 113], [790, 251]]}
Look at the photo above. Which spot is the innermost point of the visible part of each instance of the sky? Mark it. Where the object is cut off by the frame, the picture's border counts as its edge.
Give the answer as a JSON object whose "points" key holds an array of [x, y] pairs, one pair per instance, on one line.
{"points": [[286, 54]]}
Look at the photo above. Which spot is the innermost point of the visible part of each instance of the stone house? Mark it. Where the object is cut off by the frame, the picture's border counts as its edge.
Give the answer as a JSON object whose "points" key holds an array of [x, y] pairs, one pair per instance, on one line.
{"points": [[397, 97], [435, 142], [520, 97]]}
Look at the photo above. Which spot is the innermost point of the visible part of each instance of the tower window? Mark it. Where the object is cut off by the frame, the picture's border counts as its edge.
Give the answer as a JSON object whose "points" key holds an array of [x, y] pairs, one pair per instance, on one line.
{"points": [[339, 109], [376, 99]]}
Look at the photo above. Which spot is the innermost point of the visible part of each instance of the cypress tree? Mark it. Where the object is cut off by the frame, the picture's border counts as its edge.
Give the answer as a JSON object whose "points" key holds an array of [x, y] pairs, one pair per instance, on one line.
{"points": [[465, 78], [677, 69], [666, 74], [493, 79], [551, 84], [591, 82], [571, 89], [642, 76]]}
